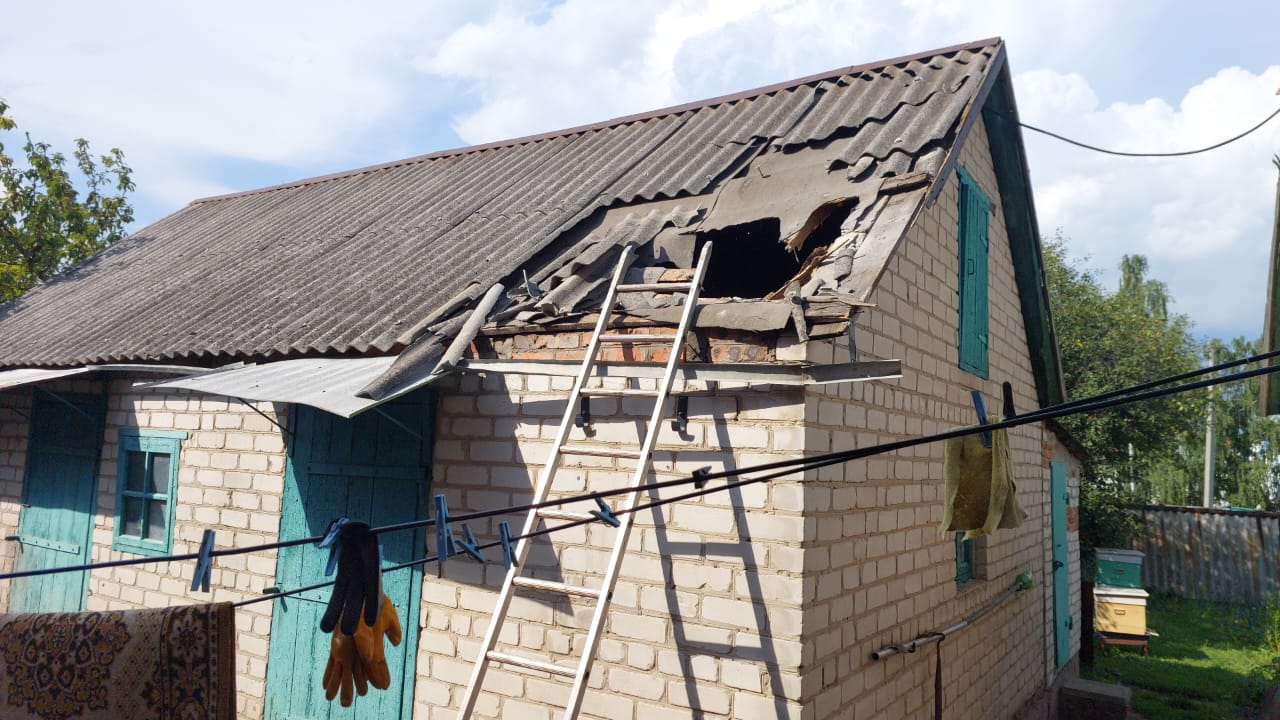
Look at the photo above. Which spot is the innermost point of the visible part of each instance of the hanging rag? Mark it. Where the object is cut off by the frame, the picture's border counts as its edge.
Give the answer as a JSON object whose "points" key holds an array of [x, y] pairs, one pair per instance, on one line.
{"points": [[175, 663], [978, 489]]}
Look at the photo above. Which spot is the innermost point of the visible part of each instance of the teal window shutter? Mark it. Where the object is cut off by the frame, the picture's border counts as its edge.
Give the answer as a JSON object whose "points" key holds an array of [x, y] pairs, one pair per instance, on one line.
{"points": [[974, 248], [146, 486], [964, 559]]}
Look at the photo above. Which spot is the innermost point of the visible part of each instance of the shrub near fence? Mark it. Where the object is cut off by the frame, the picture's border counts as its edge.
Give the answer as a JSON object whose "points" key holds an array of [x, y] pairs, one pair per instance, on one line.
{"points": [[1210, 554]]}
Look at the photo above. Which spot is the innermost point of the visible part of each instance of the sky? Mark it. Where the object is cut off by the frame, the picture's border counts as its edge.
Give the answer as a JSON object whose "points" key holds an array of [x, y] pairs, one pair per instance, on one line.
{"points": [[206, 99]]}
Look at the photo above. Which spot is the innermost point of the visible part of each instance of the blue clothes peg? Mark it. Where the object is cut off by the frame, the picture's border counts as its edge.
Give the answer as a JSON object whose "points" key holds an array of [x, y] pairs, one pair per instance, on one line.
{"points": [[444, 534], [469, 544], [508, 556], [605, 513], [204, 563], [333, 541], [980, 407]]}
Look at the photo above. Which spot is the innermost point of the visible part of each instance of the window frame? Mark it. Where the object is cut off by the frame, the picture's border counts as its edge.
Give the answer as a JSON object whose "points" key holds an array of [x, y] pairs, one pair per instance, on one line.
{"points": [[974, 242], [964, 559], [150, 442]]}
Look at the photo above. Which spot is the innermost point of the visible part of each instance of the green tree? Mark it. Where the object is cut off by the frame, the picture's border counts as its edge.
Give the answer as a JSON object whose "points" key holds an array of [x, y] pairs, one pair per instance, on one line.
{"points": [[1109, 341], [1150, 295], [47, 223], [1247, 463]]}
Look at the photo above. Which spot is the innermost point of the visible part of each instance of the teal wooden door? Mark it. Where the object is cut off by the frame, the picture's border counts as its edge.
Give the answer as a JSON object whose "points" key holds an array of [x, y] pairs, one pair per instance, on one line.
{"points": [[1062, 624], [370, 468], [58, 495]]}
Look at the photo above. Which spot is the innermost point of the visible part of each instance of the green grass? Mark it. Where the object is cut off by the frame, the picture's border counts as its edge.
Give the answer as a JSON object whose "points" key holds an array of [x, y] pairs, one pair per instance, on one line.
{"points": [[1210, 661]]}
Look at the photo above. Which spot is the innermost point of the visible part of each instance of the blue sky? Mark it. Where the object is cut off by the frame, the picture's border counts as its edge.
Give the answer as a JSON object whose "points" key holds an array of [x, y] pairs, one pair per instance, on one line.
{"points": [[206, 99]]}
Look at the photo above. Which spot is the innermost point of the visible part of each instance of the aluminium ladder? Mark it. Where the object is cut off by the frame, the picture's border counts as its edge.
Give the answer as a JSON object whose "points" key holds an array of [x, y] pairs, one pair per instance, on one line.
{"points": [[604, 593]]}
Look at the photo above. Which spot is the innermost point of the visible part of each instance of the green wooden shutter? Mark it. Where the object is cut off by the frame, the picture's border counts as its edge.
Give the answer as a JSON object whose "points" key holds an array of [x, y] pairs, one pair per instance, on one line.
{"points": [[964, 559], [974, 246]]}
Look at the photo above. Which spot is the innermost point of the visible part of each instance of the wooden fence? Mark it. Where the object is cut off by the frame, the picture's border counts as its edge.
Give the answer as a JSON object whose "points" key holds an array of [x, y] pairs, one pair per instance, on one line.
{"points": [[1211, 554]]}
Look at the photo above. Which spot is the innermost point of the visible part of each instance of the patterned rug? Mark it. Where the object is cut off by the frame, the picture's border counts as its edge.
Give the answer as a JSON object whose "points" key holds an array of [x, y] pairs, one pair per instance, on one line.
{"points": [[173, 663]]}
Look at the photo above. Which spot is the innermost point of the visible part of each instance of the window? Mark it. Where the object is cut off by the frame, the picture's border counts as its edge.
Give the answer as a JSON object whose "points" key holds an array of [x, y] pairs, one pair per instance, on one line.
{"points": [[964, 559], [146, 482], [974, 210]]}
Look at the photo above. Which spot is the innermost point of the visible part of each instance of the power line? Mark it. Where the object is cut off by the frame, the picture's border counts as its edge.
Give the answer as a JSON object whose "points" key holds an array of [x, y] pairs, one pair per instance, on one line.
{"points": [[1122, 153], [1136, 393]]}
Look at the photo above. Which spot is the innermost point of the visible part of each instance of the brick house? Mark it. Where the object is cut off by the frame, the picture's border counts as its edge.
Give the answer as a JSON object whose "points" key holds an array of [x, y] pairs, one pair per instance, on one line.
{"points": [[260, 363]]}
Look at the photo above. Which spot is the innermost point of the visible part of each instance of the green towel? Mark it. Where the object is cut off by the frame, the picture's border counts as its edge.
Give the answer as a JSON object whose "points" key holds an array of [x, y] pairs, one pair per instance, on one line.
{"points": [[979, 493]]}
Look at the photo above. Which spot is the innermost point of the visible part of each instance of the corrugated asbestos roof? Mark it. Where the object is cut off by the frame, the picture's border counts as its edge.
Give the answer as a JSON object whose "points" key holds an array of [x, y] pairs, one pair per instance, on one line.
{"points": [[345, 264]]}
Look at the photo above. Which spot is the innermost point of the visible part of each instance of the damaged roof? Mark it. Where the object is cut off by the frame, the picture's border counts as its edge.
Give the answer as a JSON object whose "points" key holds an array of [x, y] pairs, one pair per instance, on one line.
{"points": [[370, 261]]}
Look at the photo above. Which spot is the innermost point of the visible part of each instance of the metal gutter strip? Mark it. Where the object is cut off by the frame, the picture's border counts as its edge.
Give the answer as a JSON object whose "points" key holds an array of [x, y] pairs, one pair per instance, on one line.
{"points": [[327, 384], [738, 372], [26, 376], [331, 384]]}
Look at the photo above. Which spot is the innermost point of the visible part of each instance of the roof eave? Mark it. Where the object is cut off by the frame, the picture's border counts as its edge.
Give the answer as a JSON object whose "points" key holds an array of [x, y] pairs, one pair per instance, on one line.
{"points": [[1009, 158]]}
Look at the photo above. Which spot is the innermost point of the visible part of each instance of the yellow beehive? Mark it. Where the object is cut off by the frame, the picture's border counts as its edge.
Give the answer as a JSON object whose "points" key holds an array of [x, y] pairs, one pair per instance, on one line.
{"points": [[1120, 610]]}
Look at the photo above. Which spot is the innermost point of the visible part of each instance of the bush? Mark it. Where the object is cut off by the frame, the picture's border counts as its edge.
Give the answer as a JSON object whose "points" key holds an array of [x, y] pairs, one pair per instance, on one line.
{"points": [[1271, 623], [1105, 521]]}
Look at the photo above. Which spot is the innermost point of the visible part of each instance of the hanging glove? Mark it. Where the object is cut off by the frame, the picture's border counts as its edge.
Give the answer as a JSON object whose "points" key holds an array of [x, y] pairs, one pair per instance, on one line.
{"points": [[368, 644], [359, 581], [343, 668]]}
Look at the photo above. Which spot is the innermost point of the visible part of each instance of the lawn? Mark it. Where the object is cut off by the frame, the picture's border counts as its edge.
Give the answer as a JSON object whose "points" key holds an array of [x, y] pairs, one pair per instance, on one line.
{"points": [[1210, 661]]}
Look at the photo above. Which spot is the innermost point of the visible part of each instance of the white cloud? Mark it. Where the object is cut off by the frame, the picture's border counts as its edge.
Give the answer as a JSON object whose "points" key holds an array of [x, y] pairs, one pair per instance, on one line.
{"points": [[183, 88], [1195, 217], [211, 98]]}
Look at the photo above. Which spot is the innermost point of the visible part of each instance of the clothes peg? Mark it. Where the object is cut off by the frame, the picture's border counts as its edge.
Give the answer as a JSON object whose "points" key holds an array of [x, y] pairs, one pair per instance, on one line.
{"points": [[469, 544], [508, 556], [1007, 389], [332, 540], [583, 418], [681, 422], [444, 534], [980, 407], [605, 513], [204, 563], [700, 476]]}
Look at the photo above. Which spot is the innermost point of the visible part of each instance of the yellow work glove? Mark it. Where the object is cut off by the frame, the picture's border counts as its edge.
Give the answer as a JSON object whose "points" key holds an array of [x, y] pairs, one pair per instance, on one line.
{"points": [[368, 642], [343, 668]]}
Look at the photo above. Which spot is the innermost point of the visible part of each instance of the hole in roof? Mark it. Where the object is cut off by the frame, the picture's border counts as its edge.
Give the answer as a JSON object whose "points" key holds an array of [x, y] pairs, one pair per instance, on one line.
{"points": [[749, 260], [752, 261]]}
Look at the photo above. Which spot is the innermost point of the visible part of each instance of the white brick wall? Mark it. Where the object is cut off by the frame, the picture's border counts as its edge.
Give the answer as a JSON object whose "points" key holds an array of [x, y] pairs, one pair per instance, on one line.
{"points": [[888, 573], [15, 408], [230, 480], [700, 580]]}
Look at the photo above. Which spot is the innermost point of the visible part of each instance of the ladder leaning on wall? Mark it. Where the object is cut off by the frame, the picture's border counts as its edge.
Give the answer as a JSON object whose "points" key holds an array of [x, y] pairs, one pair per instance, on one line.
{"points": [[604, 593]]}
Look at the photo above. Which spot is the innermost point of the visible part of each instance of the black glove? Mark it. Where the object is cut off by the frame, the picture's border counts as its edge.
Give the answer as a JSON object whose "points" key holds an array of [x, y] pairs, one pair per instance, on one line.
{"points": [[359, 581]]}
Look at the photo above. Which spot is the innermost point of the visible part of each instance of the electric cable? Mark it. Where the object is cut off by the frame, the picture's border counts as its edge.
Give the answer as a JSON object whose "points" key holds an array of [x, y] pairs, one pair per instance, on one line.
{"points": [[1121, 153], [813, 463], [781, 468]]}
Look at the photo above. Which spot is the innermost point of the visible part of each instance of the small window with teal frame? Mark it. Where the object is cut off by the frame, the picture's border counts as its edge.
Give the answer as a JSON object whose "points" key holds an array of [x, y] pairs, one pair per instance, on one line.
{"points": [[146, 487], [964, 559], [974, 247]]}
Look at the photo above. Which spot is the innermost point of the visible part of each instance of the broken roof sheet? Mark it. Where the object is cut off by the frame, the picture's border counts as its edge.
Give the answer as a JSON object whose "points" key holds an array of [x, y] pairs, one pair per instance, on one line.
{"points": [[346, 264]]}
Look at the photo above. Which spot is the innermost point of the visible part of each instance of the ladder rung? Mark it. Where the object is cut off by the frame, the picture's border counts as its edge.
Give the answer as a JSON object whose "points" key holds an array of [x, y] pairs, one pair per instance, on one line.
{"points": [[550, 514], [636, 338], [600, 451], [618, 392], [672, 287], [553, 586], [531, 664]]}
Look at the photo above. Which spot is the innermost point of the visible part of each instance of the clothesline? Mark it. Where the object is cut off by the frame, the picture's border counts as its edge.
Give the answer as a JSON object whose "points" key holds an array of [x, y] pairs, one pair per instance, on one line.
{"points": [[1136, 393], [1144, 391]]}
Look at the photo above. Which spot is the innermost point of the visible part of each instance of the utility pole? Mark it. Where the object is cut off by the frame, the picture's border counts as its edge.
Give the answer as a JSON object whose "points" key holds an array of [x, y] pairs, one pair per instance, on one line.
{"points": [[1209, 445]]}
